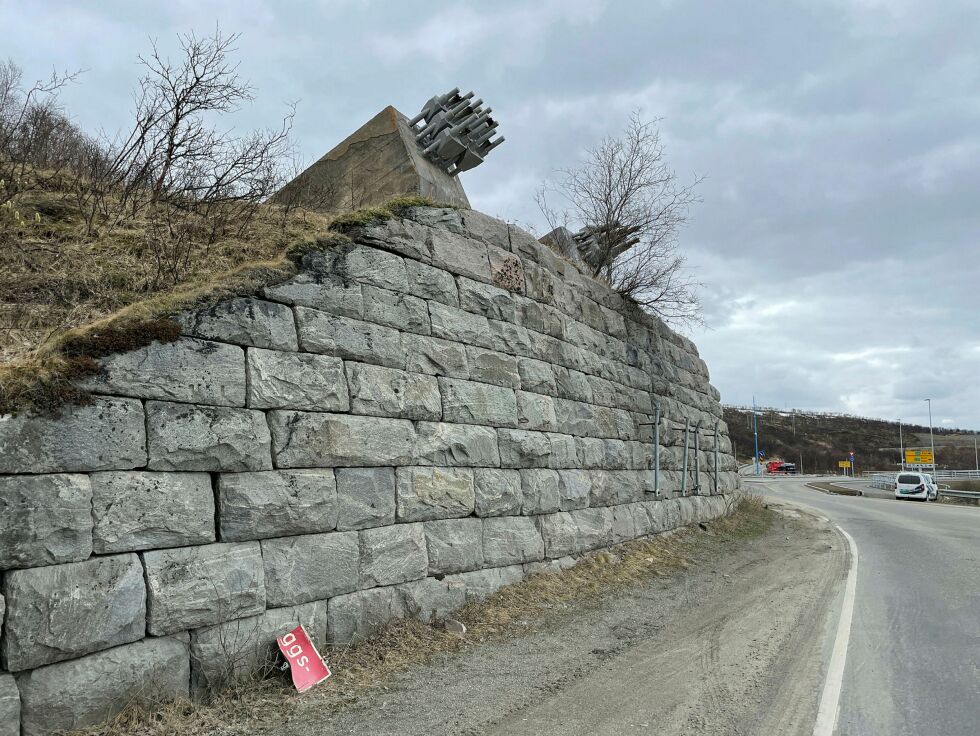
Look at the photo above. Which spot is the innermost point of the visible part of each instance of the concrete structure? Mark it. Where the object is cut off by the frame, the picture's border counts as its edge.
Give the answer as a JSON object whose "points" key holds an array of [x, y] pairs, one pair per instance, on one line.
{"points": [[409, 423]]}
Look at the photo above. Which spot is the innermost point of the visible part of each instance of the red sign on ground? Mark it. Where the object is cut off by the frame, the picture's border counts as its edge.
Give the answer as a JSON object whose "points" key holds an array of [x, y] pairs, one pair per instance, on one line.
{"points": [[305, 663]]}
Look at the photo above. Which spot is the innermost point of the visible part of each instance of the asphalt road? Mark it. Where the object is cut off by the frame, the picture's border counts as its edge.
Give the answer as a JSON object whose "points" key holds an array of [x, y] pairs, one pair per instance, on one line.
{"points": [[913, 659]]}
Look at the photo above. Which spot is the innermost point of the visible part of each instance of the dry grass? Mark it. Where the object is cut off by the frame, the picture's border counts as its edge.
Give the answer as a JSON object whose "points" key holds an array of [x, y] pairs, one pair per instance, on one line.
{"points": [[510, 612]]}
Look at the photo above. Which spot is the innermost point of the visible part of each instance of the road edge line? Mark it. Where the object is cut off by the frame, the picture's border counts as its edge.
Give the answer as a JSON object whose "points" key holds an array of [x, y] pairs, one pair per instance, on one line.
{"points": [[830, 696]]}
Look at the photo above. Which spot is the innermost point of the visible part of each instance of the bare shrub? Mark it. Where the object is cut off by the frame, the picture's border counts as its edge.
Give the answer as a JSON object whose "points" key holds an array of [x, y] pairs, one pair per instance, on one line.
{"points": [[630, 206]]}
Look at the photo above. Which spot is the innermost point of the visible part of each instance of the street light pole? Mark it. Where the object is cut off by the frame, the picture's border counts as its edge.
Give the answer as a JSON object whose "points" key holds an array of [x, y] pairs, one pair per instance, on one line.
{"points": [[755, 430], [901, 446], [932, 443]]}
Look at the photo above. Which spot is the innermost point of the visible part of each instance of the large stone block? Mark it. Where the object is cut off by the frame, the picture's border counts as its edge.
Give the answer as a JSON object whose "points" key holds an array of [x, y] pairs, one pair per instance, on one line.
{"points": [[432, 284], [309, 567], [595, 527], [488, 229], [389, 392], [510, 540], [537, 376], [436, 357], [490, 301], [392, 554], [520, 448], [44, 520], [574, 489], [441, 443], [108, 434], [560, 534], [536, 412], [304, 381], [498, 492], [401, 235], [430, 598], [508, 338], [136, 510], [312, 287], [394, 309], [460, 255], [9, 706], [209, 438], [572, 384], [243, 321], [460, 326], [372, 266], [310, 440], [246, 647], [91, 690], [481, 584], [427, 493], [540, 490], [365, 497], [612, 487], [200, 586], [563, 451], [356, 616], [190, 370], [469, 402], [64, 611], [577, 418], [506, 270], [454, 545], [350, 339], [276, 503]]}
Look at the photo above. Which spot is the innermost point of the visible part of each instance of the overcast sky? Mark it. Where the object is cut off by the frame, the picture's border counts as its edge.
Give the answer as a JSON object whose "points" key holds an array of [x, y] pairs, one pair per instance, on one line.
{"points": [[840, 141]]}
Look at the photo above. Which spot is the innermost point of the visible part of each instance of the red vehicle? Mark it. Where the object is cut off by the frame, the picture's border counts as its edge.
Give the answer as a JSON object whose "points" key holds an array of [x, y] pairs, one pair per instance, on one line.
{"points": [[781, 468]]}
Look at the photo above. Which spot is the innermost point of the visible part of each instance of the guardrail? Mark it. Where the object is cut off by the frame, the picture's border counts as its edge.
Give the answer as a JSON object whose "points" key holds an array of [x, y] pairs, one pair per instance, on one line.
{"points": [[937, 475], [947, 491]]}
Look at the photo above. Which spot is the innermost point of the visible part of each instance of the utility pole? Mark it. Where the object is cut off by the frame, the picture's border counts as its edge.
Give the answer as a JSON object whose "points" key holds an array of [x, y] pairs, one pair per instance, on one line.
{"points": [[932, 443], [755, 430], [901, 447], [801, 462], [976, 456]]}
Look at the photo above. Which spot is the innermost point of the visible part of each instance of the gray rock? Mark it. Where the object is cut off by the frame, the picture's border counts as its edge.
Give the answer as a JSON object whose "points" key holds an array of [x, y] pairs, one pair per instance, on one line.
{"points": [[244, 321], [469, 402], [44, 520], [457, 444], [136, 510], [431, 283], [327, 293], [350, 339], [400, 235], [488, 229], [574, 489], [489, 366], [195, 371], [91, 690], [508, 338], [430, 598], [572, 384], [393, 309], [563, 451], [591, 452], [522, 449], [540, 283], [64, 611], [304, 381], [612, 487], [9, 706], [356, 616], [276, 503], [309, 567], [454, 545], [614, 455], [310, 440], [540, 489], [559, 533], [536, 412], [490, 301], [506, 270], [200, 586], [509, 540], [108, 434], [594, 527], [537, 376], [436, 357], [623, 526], [498, 492], [389, 392], [188, 437], [366, 497], [460, 326], [577, 418], [392, 554], [460, 255], [246, 647], [434, 493], [481, 584], [372, 266], [539, 318]]}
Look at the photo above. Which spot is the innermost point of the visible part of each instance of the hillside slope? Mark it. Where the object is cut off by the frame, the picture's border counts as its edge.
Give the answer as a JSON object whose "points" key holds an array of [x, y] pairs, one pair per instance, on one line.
{"points": [[823, 439]]}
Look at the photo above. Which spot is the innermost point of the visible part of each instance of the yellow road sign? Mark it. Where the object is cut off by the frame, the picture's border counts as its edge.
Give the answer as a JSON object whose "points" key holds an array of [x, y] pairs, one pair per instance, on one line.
{"points": [[919, 457], [843, 463]]}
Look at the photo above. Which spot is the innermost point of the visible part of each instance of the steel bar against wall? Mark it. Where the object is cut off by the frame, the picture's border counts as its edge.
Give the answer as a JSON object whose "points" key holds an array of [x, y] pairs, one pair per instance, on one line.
{"points": [[715, 489], [687, 444], [697, 458]]}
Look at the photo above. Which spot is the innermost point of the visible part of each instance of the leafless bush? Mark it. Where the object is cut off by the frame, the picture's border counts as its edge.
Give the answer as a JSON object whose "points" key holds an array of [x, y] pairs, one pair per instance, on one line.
{"points": [[627, 196]]}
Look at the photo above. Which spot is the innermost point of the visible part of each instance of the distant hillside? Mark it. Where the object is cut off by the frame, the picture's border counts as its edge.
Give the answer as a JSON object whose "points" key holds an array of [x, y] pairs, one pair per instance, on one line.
{"points": [[824, 439]]}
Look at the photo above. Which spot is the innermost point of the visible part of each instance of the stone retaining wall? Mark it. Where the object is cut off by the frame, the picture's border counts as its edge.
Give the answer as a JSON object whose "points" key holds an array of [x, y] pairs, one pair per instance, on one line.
{"points": [[411, 422]]}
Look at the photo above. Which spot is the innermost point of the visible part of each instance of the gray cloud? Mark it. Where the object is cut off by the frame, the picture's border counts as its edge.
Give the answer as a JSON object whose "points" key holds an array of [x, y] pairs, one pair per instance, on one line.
{"points": [[840, 139]]}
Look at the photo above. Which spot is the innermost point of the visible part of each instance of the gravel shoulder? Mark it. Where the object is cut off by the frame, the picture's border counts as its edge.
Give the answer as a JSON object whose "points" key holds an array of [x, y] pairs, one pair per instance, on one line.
{"points": [[734, 644]]}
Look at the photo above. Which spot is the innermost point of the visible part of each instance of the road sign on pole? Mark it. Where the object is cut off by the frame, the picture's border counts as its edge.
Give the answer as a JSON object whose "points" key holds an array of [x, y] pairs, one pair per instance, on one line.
{"points": [[915, 456]]}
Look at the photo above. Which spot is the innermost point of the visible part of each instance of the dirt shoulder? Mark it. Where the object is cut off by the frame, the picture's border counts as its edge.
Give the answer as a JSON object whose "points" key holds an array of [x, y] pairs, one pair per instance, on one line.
{"points": [[717, 630]]}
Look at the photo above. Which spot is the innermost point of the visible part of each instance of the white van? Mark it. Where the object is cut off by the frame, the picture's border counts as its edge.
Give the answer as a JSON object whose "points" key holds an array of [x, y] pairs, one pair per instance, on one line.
{"points": [[916, 485]]}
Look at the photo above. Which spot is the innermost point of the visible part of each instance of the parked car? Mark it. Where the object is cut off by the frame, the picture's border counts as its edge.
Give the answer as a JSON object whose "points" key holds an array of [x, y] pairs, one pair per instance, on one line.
{"points": [[916, 485]]}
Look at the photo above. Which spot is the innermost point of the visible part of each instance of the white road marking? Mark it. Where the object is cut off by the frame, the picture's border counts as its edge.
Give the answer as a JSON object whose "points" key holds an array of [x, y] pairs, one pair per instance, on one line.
{"points": [[830, 697]]}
